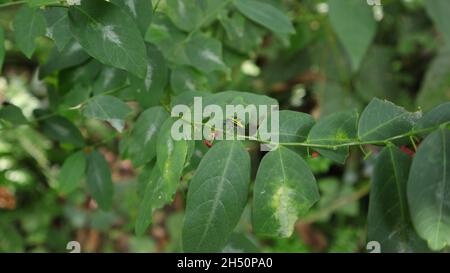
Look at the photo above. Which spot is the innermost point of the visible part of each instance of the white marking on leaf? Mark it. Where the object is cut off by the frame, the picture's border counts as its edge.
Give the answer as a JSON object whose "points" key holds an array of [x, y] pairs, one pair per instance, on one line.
{"points": [[181, 8], [110, 35], [131, 6], [74, 47], [151, 131], [189, 85], [211, 56], [108, 76], [49, 33], [148, 77], [285, 210]]}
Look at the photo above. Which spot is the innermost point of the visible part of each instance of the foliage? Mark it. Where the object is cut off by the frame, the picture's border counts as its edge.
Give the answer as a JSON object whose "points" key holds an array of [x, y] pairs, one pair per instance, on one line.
{"points": [[111, 70]]}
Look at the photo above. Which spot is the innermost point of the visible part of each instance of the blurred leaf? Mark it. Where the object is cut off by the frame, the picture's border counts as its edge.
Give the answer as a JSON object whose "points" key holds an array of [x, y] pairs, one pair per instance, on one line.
{"points": [[2, 47], [12, 114], [38, 3], [154, 197], [355, 26], [98, 177], [63, 130], [71, 55], [376, 77], [185, 79], [436, 85], [266, 15], [171, 156], [58, 28], [186, 15], [140, 10], [428, 189], [28, 24], [240, 243], [110, 78], [168, 39], [143, 138], [205, 53], [107, 108], [72, 172], [149, 91], [437, 10]]}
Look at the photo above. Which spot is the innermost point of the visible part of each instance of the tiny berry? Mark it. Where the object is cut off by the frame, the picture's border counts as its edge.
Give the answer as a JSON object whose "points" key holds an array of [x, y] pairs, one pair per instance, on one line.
{"points": [[407, 151], [314, 155], [207, 143]]}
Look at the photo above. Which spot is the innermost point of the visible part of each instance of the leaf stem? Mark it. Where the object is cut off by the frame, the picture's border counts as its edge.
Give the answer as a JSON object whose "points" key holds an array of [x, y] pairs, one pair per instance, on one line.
{"points": [[307, 144]]}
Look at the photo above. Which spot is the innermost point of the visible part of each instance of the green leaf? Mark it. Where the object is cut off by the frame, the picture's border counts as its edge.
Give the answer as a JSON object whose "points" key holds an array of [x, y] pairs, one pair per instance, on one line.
{"points": [[216, 197], [149, 91], [171, 156], [437, 10], [382, 120], [58, 28], [72, 171], [84, 74], [333, 98], [63, 130], [12, 114], [113, 38], [71, 55], [389, 221], [294, 126], [265, 15], [77, 95], [437, 116], [39, 3], [186, 15], [28, 24], [168, 39], [2, 47], [140, 10], [376, 77], [185, 79], [242, 35], [436, 85], [284, 189], [240, 243], [109, 109], [355, 26], [99, 182], [336, 129], [110, 78], [205, 53], [154, 197], [428, 189], [143, 138]]}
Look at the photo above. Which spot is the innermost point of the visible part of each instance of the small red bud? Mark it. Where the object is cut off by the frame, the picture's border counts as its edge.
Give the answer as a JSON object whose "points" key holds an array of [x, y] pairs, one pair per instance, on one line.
{"points": [[207, 143], [407, 151]]}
